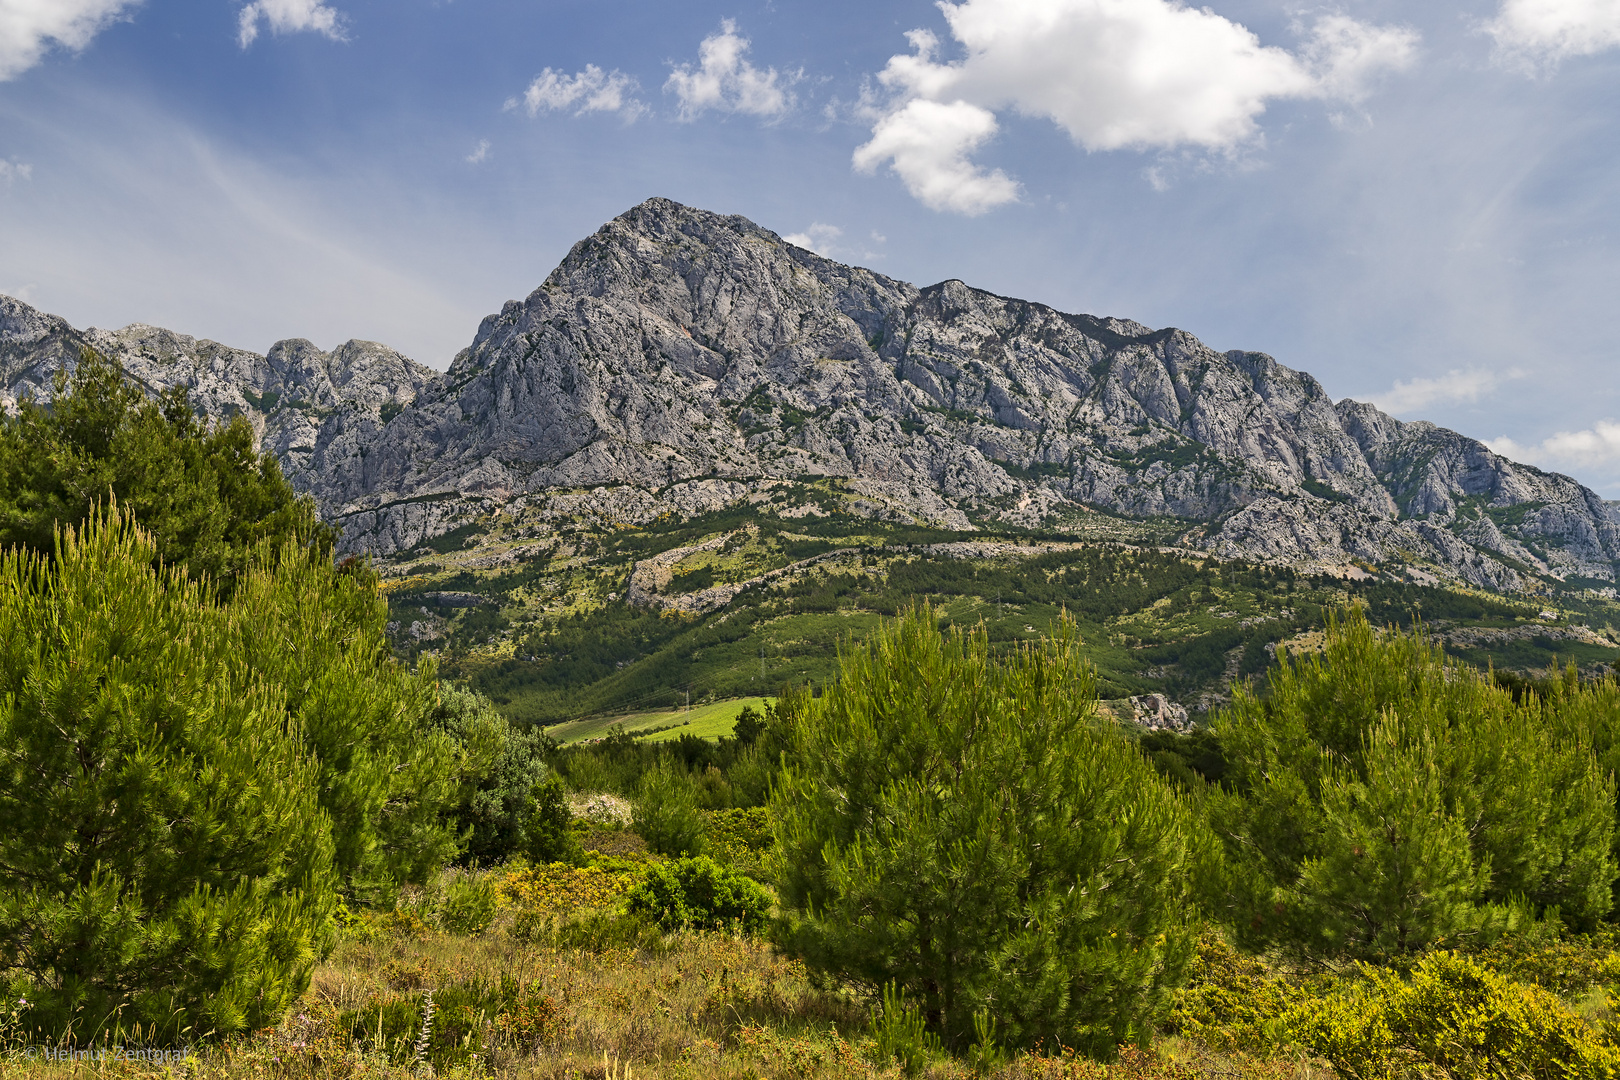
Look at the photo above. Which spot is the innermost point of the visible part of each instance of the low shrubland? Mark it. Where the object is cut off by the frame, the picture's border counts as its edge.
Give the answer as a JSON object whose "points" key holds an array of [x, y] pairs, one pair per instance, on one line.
{"points": [[239, 829]]}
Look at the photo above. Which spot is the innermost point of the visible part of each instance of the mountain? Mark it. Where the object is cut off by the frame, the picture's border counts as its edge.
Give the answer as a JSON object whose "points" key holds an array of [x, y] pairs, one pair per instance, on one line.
{"points": [[679, 361]]}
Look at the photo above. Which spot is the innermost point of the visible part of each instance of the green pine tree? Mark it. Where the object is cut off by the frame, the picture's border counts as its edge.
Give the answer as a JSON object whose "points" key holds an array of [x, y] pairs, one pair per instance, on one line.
{"points": [[1383, 800], [165, 860], [202, 492], [965, 827]]}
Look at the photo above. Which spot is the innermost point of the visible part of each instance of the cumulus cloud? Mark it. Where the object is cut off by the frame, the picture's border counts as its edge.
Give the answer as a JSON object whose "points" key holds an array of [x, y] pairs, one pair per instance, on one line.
{"points": [[28, 28], [15, 170], [1113, 74], [1405, 398], [288, 17], [1596, 447], [592, 90], [725, 81], [1547, 31], [480, 153], [928, 144]]}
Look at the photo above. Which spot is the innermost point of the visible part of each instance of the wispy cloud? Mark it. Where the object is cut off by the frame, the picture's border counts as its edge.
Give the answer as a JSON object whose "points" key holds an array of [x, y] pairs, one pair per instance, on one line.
{"points": [[15, 170], [1538, 33], [1405, 398], [28, 28], [1113, 74], [289, 17], [480, 153], [725, 81], [1596, 447], [829, 242], [592, 90]]}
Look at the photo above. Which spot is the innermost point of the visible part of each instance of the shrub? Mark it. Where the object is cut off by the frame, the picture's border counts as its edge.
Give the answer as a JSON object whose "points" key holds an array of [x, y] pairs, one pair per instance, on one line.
{"points": [[168, 862], [666, 813], [1385, 801], [966, 827], [1460, 1020], [700, 894], [468, 905], [501, 766], [559, 889], [546, 833]]}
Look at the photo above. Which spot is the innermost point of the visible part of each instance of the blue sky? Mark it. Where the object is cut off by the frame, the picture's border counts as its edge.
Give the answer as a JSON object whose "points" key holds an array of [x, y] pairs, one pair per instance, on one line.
{"points": [[1415, 202]]}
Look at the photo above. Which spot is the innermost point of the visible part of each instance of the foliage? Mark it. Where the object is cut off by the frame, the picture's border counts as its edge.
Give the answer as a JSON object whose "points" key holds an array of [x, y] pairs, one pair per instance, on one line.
{"points": [[167, 860], [1233, 1002], [386, 781], [741, 837], [700, 894], [1384, 801], [503, 770], [559, 889], [468, 905], [1457, 1018], [666, 814], [966, 827], [547, 835], [205, 496], [898, 1031]]}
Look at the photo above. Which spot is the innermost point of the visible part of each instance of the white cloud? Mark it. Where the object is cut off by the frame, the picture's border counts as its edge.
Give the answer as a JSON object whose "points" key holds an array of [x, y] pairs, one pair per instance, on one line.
{"points": [[1548, 31], [1597, 447], [725, 81], [818, 238], [288, 17], [593, 90], [829, 242], [1348, 57], [1113, 74], [1405, 398], [480, 153], [927, 144], [28, 28], [15, 170]]}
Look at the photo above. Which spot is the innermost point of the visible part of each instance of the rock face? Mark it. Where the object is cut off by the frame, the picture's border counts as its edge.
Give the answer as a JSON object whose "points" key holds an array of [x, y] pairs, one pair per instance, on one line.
{"points": [[679, 361]]}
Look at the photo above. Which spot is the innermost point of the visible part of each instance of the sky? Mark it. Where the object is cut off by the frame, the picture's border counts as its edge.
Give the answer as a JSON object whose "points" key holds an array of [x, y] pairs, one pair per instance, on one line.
{"points": [[1416, 202]]}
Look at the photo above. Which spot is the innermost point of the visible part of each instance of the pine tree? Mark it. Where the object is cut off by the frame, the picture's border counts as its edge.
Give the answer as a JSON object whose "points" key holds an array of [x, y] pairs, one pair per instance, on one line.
{"points": [[1384, 800], [201, 491], [165, 860], [966, 827], [386, 779]]}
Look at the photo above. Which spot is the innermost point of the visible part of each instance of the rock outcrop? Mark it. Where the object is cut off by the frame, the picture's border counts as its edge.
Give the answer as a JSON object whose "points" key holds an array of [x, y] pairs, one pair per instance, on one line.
{"points": [[679, 361]]}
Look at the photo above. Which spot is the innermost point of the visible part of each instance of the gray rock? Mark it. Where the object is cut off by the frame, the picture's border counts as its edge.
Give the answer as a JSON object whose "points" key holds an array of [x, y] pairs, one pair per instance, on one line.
{"points": [[679, 361]]}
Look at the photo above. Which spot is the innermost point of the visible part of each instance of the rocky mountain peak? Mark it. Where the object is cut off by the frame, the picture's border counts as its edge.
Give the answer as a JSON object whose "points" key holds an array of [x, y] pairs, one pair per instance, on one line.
{"points": [[678, 361]]}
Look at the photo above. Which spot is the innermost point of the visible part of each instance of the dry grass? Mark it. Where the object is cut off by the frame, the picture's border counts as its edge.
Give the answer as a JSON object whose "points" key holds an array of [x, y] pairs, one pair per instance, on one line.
{"points": [[697, 1006]]}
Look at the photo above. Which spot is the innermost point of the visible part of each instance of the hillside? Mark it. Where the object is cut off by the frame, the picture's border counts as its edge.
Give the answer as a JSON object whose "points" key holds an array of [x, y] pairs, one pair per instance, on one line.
{"points": [[697, 456]]}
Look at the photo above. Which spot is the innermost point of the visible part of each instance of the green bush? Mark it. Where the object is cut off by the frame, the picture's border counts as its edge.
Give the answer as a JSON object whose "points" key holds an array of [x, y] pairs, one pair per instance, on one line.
{"points": [[1384, 801], [899, 1032], [501, 765], [168, 860], [593, 930], [965, 826], [1453, 1018], [666, 814], [700, 894], [468, 905], [547, 834]]}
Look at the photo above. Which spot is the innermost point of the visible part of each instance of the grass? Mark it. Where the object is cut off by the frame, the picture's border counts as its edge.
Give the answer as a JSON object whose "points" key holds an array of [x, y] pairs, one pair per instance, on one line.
{"points": [[709, 721], [683, 1006]]}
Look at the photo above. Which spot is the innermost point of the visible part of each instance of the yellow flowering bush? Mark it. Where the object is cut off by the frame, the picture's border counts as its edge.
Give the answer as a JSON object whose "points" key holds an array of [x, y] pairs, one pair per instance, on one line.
{"points": [[558, 889]]}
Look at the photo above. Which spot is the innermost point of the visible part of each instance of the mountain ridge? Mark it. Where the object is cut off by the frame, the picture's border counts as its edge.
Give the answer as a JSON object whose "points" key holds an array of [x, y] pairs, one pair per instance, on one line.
{"points": [[677, 362]]}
